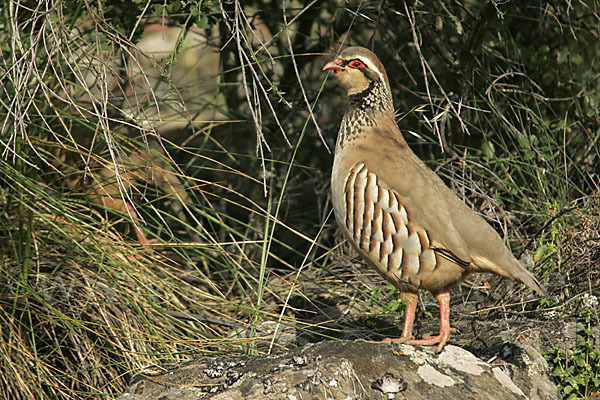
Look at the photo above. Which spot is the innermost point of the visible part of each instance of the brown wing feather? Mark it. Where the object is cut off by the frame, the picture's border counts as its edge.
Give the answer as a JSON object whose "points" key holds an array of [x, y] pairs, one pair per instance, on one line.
{"points": [[462, 233]]}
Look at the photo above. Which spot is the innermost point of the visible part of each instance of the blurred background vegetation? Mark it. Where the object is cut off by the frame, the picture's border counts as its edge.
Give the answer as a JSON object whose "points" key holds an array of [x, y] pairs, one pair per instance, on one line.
{"points": [[165, 171]]}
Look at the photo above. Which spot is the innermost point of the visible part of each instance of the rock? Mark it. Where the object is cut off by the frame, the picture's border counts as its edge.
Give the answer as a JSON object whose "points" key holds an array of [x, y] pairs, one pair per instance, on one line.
{"points": [[353, 370]]}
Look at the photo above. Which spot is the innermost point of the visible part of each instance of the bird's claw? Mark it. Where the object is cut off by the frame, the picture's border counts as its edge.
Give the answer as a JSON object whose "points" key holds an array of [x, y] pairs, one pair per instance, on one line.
{"points": [[401, 339]]}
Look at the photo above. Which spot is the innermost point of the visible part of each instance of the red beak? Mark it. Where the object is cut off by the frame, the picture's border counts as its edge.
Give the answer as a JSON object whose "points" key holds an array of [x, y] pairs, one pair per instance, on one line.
{"points": [[335, 65]]}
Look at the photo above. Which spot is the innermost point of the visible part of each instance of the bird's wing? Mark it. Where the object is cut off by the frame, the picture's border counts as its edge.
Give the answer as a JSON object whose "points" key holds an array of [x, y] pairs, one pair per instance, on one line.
{"points": [[454, 229]]}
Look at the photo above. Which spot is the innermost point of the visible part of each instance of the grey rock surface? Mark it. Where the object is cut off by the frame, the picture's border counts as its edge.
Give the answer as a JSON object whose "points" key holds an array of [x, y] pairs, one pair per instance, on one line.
{"points": [[347, 370]]}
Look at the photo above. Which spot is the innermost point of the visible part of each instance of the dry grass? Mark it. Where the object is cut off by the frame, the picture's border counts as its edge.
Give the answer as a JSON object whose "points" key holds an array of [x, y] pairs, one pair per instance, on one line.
{"points": [[203, 130]]}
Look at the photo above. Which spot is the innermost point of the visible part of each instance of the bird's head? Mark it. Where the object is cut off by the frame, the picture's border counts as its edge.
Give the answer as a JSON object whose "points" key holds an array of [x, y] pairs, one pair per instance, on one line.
{"points": [[358, 70]]}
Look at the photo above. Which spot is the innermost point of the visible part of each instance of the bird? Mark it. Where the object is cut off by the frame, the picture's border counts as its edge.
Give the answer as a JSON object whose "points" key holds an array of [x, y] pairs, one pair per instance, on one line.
{"points": [[396, 212], [112, 186]]}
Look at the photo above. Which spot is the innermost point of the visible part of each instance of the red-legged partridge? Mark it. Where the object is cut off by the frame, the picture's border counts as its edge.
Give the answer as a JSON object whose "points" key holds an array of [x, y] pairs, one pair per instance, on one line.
{"points": [[397, 213], [107, 188]]}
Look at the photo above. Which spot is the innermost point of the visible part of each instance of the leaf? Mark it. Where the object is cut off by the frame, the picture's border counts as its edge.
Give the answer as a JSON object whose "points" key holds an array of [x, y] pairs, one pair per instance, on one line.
{"points": [[568, 389], [488, 150]]}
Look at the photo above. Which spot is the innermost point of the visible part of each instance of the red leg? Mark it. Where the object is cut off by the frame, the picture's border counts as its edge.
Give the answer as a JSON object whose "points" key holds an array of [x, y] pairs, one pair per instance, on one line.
{"points": [[411, 300], [442, 338], [409, 318], [136, 226]]}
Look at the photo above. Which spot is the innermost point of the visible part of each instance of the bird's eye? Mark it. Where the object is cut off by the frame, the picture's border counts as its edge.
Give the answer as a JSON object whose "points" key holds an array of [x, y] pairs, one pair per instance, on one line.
{"points": [[357, 64]]}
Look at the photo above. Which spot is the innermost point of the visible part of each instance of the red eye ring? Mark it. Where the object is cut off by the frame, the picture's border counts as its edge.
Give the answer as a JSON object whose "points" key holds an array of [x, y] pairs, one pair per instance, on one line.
{"points": [[356, 64]]}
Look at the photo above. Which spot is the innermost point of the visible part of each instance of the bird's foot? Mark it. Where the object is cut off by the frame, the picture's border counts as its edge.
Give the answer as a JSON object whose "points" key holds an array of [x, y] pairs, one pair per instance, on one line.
{"points": [[430, 336], [144, 241], [427, 340], [148, 241], [401, 339]]}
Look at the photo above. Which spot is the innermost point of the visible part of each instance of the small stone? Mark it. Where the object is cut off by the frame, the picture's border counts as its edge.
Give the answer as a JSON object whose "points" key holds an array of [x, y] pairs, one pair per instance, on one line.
{"points": [[389, 384], [434, 377], [507, 351], [213, 372], [299, 360], [268, 386], [462, 360]]}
